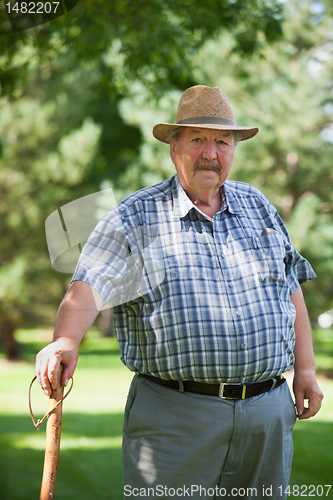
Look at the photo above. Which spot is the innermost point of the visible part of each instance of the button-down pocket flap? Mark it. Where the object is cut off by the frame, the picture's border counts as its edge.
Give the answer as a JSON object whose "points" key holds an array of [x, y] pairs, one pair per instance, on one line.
{"points": [[272, 250]]}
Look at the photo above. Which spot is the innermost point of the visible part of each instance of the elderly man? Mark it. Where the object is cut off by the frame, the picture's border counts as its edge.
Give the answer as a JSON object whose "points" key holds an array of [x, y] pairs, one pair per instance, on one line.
{"points": [[205, 287]]}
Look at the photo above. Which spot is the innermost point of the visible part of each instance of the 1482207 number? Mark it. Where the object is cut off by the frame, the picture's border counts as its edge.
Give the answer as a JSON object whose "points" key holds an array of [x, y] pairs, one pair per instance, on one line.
{"points": [[306, 491], [30, 8]]}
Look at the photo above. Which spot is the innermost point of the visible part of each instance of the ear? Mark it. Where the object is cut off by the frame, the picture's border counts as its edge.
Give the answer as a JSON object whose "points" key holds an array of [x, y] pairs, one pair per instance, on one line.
{"points": [[173, 145]]}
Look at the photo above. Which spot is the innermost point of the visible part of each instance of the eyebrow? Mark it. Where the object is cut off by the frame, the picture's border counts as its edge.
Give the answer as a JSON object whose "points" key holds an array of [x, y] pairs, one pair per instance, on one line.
{"points": [[224, 133]]}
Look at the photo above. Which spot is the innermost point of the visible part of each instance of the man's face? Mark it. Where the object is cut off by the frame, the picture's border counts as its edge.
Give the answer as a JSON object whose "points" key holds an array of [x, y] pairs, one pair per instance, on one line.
{"points": [[203, 158]]}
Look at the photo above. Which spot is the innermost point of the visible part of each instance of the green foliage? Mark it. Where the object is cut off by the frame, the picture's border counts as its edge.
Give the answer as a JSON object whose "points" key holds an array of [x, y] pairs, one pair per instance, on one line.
{"points": [[82, 93], [323, 348], [12, 289], [154, 38], [57, 146], [62, 135], [287, 94], [28, 173]]}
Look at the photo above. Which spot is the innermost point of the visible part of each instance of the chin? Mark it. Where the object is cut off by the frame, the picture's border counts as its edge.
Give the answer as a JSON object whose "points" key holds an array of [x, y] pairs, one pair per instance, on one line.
{"points": [[209, 174], [206, 184], [209, 177]]}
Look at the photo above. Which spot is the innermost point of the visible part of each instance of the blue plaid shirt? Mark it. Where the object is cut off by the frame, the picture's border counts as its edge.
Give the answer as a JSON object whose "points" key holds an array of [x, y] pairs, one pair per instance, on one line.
{"points": [[195, 298]]}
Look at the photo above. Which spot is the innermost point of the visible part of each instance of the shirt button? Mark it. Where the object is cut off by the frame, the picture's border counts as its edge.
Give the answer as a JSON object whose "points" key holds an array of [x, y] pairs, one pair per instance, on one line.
{"points": [[231, 284], [242, 346], [237, 313]]}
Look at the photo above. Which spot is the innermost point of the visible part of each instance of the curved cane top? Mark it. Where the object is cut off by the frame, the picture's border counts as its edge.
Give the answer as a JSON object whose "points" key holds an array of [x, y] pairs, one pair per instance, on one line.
{"points": [[40, 421]]}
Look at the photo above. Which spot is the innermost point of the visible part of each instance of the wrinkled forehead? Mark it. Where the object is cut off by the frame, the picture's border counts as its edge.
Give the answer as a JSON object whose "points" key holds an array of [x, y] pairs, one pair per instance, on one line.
{"points": [[186, 132]]}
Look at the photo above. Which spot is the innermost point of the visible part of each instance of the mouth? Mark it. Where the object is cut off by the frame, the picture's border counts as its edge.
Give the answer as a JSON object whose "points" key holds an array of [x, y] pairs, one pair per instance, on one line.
{"points": [[207, 166]]}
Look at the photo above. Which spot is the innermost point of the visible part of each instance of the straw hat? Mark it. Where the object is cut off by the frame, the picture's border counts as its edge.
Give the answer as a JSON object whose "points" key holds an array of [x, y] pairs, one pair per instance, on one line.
{"points": [[203, 107]]}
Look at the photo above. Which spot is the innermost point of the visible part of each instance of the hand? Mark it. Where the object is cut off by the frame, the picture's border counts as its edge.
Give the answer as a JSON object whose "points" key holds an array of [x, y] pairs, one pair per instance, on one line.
{"points": [[305, 387], [48, 363]]}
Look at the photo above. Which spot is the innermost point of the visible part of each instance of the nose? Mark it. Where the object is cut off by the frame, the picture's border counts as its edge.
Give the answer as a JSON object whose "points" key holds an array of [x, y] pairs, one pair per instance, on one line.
{"points": [[209, 152]]}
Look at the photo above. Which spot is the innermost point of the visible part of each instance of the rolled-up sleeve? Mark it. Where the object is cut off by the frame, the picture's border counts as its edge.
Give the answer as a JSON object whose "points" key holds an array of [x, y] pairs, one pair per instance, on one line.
{"points": [[298, 269], [109, 261]]}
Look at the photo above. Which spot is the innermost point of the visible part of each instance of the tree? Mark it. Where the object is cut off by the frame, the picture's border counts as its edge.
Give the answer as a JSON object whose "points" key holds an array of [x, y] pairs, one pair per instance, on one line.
{"points": [[30, 187], [80, 97], [154, 39], [291, 161], [61, 131]]}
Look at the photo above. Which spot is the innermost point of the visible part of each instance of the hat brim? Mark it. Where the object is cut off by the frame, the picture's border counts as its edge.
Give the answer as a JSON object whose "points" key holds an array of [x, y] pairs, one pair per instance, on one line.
{"points": [[162, 131]]}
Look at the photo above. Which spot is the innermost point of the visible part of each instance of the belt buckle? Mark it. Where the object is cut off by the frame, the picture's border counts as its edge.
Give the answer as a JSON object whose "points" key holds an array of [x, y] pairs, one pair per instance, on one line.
{"points": [[221, 390]]}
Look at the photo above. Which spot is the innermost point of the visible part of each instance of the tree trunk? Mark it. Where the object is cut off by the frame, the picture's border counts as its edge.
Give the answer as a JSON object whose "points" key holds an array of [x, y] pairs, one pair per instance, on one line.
{"points": [[10, 345]]}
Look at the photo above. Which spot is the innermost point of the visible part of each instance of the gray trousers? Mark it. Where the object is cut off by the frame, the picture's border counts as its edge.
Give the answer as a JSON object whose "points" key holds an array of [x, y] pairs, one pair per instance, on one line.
{"points": [[186, 445]]}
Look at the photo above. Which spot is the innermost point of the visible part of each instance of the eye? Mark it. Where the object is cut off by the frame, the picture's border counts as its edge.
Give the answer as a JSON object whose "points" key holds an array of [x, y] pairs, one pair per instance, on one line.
{"points": [[196, 139], [221, 141]]}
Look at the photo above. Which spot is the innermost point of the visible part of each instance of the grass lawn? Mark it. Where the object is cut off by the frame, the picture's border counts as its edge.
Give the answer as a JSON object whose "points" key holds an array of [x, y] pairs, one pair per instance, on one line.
{"points": [[90, 459]]}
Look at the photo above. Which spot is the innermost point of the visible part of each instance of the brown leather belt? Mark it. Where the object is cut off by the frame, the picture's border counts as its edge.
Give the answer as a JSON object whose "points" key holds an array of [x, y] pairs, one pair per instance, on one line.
{"points": [[224, 391]]}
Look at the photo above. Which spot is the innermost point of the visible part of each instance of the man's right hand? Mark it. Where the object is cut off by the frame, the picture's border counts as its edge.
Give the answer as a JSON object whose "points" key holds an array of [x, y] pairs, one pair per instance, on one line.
{"points": [[61, 354]]}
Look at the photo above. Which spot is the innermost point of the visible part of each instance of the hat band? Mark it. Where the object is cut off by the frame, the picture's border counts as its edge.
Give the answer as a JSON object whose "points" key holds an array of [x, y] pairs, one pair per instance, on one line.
{"points": [[214, 120]]}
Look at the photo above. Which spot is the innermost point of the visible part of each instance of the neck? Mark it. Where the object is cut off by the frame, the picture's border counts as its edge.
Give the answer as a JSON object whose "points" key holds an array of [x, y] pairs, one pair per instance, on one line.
{"points": [[208, 202]]}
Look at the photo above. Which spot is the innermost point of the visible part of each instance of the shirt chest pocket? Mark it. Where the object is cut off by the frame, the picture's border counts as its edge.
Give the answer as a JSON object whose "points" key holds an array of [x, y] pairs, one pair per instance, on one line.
{"points": [[272, 256]]}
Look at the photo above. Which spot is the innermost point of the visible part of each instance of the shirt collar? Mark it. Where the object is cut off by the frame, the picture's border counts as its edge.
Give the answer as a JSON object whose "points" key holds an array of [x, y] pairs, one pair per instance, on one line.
{"points": [[231, 201], [182, 203]]}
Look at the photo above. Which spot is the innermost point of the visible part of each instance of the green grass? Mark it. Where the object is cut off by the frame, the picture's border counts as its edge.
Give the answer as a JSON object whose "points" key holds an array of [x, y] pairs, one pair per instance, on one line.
{"points": [[313, 445], [90, 459]]}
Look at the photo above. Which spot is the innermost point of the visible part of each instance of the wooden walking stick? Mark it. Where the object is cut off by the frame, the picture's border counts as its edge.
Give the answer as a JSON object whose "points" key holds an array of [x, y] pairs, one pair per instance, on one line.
{"points": [[53, 432], [52, 447]]}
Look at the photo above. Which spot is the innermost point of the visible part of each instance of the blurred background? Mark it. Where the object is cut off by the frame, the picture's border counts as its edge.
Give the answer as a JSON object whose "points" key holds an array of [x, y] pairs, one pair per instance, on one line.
{"points": [[78, 99]]}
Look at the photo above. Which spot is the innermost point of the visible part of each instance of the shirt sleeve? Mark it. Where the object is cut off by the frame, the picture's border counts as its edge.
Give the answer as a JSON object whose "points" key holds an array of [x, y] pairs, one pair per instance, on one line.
{"points": [[298, 269], [121, 259], [110, 262]]}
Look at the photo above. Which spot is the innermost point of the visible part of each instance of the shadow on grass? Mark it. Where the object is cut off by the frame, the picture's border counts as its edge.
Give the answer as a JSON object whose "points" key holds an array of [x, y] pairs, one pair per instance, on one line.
{"points": [[91, 470], [87, 470], [313, 455]]}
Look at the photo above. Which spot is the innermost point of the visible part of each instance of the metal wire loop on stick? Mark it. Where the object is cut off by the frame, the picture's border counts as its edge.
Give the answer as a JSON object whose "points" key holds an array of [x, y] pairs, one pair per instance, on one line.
{"points": [[41, 420]]}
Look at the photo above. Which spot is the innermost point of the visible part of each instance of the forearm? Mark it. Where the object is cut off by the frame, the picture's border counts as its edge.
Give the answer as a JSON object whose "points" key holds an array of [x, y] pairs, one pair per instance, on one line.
{"points": [[303, 351], [304, 385], [76, 314]]}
